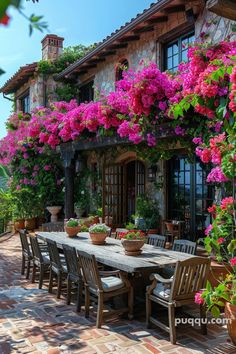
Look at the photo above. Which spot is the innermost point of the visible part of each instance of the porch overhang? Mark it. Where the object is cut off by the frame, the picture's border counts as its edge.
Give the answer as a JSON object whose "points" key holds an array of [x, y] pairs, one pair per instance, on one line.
{"points": [[225, 8]]}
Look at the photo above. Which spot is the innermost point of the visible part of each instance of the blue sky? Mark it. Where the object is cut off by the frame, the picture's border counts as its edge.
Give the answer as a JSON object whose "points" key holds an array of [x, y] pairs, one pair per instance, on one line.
{"points": [[78, 21]]}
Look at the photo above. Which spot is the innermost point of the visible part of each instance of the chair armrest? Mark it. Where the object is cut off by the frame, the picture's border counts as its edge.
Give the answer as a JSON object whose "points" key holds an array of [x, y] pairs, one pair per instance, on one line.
{"points": [[160, 279], [107, 273]]}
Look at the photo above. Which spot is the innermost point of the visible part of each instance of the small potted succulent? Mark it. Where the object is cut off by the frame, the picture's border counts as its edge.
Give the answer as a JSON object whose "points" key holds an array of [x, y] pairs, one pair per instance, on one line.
{"points": [[132, 241], [72, 227], [98, 233]]}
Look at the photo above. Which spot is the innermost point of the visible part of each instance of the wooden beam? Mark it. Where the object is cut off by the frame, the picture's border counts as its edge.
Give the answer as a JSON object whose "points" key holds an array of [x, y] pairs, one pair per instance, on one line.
{"points": [[107, 53], [225, 8], [130, 38], [173, 9], [158, 20], [118, 45], [144, 29]]}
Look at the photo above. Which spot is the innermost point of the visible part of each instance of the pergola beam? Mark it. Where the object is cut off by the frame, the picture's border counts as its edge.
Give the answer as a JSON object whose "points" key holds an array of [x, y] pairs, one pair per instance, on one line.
{"points": [[225, 8]]}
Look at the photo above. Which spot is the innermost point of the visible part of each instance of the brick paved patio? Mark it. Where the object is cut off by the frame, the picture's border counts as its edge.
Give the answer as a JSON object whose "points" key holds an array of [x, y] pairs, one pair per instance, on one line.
{"points": [[33, 321]]}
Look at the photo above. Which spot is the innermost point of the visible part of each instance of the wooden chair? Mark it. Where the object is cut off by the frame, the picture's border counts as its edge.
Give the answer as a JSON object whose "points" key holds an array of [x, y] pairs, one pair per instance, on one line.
{"points": [[27, 255], [104, 285], [40, 260], [190, 276], [185, 246], [74, 275], [156, 240], [57, 267]]}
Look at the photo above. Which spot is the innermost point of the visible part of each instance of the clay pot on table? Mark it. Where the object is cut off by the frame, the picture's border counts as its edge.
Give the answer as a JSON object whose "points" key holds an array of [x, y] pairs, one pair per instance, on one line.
{"points": [[132, 247]]}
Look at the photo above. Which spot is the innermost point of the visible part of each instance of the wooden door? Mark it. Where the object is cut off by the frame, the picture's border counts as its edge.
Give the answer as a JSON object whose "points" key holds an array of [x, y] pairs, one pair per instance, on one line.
{"points": [[113, 194]]}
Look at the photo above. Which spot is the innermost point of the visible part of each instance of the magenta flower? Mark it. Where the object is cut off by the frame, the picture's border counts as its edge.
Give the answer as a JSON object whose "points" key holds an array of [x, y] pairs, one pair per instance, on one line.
{"points": [[198, 298]]}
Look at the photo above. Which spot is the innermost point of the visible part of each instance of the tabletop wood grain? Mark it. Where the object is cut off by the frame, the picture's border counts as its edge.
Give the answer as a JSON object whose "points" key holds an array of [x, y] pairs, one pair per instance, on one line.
{"points": [[112, 253]]}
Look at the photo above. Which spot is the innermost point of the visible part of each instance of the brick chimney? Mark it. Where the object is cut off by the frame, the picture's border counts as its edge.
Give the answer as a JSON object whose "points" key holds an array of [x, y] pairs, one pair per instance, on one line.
{"points": [[52, 46]]}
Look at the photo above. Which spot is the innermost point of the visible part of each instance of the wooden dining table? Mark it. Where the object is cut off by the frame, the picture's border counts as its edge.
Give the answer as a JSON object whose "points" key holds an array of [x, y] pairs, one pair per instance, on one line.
{"points": [[112, 253]]}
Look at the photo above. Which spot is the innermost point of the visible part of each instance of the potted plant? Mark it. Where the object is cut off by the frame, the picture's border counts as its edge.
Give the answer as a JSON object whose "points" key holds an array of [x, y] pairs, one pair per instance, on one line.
{"points": [[147, 214], [132, 241], [98, 233], [72, 227], [221, 243]]}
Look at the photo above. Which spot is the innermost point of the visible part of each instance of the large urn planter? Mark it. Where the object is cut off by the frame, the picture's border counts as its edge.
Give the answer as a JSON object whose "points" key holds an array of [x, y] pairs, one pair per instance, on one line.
{"points": [[230, 313], [54, 210], [19, 224], [98, 238], [132, 247], [72, 231], [30, 223]]}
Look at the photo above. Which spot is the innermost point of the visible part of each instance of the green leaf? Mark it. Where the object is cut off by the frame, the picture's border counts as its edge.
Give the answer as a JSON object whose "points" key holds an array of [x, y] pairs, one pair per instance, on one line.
{"points": [[215, 311], [208, 286], [3, 7]]}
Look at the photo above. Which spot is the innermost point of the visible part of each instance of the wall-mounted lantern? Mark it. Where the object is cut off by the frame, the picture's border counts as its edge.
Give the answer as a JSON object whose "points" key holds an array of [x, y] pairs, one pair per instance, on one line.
{"points": [[152, 172]]}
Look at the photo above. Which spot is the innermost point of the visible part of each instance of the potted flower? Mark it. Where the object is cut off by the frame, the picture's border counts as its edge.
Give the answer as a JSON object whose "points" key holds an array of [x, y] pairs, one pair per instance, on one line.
{"points": [[72, 227], [221, 242], [98, 233], [132, 241]]}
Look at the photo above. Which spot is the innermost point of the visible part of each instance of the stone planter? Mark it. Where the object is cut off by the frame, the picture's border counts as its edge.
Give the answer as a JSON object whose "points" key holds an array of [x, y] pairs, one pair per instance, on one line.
{"points": [[98, 238], [19, 224], [30, 223], [132, 247], [230, 312], [72, 231], [54, 210]]}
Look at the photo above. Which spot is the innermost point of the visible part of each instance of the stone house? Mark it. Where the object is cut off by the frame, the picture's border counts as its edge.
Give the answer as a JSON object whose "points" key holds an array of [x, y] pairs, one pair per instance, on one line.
{"points": [[161, 34], [29, 88]]}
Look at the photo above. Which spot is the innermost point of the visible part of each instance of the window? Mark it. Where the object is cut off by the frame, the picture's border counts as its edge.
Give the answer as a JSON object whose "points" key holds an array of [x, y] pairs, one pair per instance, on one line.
{"points": [[86, 92], [122, 66], [176, 51], [25, 103]]}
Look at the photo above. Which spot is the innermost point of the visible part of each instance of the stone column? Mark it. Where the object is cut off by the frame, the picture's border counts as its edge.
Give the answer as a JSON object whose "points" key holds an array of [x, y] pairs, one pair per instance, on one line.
{"points": [[69, 170]]}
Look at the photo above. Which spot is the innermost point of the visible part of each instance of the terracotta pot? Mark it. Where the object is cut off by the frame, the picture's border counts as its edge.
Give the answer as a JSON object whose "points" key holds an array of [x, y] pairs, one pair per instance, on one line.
{"points": [[96, 220], [230, 312], [98, 238], [72, 231], [30, 224], [170, 226], [132, 247], [218, 272], [19, 224]]}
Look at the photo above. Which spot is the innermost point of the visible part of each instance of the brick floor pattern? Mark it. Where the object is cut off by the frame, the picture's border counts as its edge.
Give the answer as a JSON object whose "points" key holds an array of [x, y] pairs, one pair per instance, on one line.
{"points": [[33, 321]]}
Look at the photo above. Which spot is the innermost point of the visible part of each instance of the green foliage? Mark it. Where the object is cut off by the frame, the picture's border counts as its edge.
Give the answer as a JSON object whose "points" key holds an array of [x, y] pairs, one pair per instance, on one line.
{"points": [[72, 223], [69, 56], [130, 226], [99, 212], [148, 209], [6, 205], [99, 228]]}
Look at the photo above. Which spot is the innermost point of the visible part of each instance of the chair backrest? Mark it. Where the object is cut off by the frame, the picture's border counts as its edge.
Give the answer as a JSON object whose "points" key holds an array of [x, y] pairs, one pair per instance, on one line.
{"points": [[37, 254], [156, 240], [53, 226], [72, 260], [90, 271], [190, 276], [185, 246], [24, 242], [54, 255]]}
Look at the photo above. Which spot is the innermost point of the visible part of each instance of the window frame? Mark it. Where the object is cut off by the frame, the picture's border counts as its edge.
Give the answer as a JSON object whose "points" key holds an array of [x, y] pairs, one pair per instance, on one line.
{"points": [[87, 83], [119, 71], [22, 98], [178, 39]]}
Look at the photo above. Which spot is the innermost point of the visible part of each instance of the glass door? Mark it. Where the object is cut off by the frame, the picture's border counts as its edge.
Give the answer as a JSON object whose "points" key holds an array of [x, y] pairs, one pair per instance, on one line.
{"points": [[189, 195]]}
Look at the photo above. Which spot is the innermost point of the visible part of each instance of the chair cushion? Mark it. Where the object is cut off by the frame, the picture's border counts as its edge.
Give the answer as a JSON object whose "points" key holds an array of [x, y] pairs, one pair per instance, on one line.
{"points": [[111, 283], [162, 291]]}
